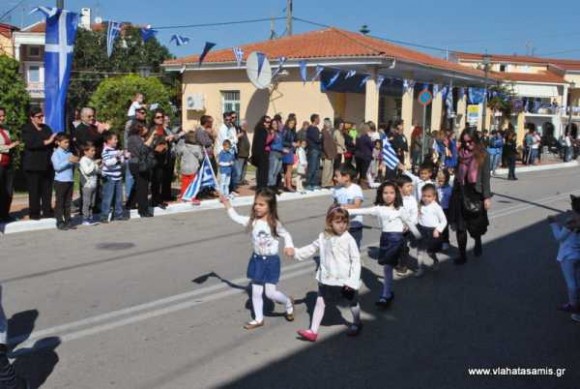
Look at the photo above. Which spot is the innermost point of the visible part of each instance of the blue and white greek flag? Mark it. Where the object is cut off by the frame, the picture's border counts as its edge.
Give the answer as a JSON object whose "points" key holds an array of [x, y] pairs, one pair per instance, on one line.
{"points": [[61, 31], [281, 61], [349, 74], [179, 40], [205, 178], [449, 101], [239, 54], [389, 155], [148, 33], [113, 30]]}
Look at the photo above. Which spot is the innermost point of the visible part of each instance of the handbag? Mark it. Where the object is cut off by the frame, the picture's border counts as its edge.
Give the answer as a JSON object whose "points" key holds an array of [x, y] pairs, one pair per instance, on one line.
{"points": [[470, 205], [146, 161]]}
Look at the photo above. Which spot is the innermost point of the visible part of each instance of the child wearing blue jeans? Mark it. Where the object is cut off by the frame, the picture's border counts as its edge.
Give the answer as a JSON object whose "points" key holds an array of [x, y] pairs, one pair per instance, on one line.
{"points": [[63, 162], [226, 159], [113, 161]]}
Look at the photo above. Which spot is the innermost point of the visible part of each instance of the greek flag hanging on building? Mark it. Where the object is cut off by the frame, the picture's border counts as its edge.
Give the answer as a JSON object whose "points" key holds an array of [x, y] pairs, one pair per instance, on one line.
{"points": [[389, 155], [239, 54], [113, 30], [61, 30], [205, 178]]}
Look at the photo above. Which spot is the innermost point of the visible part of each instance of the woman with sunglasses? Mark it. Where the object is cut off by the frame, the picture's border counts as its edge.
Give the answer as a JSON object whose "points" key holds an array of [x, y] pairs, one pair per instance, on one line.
{"points": [[38, 141], [471, 197], [260, 157]]}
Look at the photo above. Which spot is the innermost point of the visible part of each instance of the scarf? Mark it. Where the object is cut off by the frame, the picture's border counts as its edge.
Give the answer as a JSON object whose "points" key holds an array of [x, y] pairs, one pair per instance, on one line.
{"points": [[5, 157], [468, 167]]}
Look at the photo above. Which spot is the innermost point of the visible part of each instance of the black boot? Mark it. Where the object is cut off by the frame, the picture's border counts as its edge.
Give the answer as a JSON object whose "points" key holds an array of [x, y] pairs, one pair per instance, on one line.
{"points": [[462, 243], [477, 249]]}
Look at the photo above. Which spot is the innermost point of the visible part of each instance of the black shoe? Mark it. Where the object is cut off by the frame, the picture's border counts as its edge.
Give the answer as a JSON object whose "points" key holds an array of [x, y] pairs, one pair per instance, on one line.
{"points": [[385, 302], [62, 226], [148, 214], [70, 226], [460, 260], [122, 218]]}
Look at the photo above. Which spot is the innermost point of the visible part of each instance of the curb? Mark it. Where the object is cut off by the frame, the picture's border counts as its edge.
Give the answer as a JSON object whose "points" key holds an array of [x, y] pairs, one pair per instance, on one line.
{"points": [[172, 209], [530, 169]]}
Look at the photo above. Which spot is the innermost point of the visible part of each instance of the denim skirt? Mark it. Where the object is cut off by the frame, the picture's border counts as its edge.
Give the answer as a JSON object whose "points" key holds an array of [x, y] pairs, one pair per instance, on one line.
{"points": [[264, 269], [391, 248]]}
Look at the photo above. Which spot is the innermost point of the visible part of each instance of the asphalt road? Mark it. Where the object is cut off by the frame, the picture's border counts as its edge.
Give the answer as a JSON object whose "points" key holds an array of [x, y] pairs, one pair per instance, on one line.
{"points": [[160, 303]]}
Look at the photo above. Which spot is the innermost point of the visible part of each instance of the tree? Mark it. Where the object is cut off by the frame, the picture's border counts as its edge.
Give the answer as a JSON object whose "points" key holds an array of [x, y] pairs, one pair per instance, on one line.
{"points": [[13, 96], [91, 64], [113, 97], [501, 102]]}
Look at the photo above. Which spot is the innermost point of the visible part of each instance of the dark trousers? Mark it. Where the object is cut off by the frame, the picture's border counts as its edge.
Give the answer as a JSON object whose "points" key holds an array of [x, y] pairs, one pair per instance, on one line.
{"points": [[362, 167], [337, 162], [40, 192], [157, 178], [8, 378], [511, 163], [166, 191], [313, 157], [140, 190], [262, 166], [6, 190], [63, 193]]}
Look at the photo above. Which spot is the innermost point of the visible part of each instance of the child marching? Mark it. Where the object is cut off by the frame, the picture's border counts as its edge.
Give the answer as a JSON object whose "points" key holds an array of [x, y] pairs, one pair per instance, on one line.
{"points": [[264, 266], [349, 196], [338, 274], [393, 218], [432, 223]]}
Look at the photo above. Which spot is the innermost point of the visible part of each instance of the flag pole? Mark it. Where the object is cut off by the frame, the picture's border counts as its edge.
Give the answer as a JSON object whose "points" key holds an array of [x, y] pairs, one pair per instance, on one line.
{"points": [[211, 169]]}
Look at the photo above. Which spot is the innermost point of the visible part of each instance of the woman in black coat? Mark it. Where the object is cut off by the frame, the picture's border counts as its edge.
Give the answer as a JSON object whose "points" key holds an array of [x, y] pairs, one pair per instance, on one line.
{"points": [[141, 165], [471, 197], [260, 157], [38, 141], [363, 154]]}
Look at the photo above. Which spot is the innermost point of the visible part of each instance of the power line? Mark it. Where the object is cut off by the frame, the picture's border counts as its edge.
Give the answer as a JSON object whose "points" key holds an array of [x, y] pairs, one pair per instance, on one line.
{"points": [[219, 23], [11, 10]]}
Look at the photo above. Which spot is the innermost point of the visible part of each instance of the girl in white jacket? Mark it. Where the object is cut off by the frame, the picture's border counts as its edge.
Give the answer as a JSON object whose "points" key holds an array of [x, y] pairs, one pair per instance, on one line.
{"points": [[338, 274], [394, 220]]}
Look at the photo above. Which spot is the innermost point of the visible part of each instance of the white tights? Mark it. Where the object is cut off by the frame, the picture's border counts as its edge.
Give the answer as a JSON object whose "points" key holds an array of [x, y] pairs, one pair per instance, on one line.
{"points": [[318, 314], [272, 294]]}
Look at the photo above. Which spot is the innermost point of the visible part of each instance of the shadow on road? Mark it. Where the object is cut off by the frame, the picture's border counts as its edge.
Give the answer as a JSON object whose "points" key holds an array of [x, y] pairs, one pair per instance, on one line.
{"points": [[496, 311], [34, 363]]}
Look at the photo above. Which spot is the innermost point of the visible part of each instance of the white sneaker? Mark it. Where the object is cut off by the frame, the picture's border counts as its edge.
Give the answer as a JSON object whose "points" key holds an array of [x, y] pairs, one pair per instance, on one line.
{"points": [[89, 223]]}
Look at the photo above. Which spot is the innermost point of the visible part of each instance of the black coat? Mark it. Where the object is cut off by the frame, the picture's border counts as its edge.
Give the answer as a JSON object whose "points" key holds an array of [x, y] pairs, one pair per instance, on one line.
{"points": [[259, 145], [36, 154], [88, 133]]}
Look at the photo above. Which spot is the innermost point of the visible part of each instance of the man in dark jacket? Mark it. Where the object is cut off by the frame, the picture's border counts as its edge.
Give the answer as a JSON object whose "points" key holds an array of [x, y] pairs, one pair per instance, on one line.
{"points": [[243, 152], [399, 141], [314, 152]]}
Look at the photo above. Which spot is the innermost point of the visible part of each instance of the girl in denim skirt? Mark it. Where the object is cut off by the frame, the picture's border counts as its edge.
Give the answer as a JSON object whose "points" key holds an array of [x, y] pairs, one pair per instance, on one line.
{"points": [[264, 266]]}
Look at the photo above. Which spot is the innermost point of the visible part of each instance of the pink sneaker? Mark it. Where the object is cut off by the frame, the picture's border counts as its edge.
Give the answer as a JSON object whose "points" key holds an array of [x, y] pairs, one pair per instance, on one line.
{"points": [[307, 335], [195, 202]]}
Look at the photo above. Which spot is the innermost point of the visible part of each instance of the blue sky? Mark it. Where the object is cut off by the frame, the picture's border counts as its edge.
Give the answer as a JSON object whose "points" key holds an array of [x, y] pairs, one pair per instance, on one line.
{"points": [[498, 26]]}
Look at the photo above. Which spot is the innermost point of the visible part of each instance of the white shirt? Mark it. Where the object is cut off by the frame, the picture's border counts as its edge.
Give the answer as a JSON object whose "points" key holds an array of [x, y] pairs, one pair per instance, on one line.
{"points": [[135, 105], [569, 242], [224, 133], [339, 259], [432, 216], [89, 172], [347, 196], [263, 242], [444, 193], [412, 207], [418, 183], [390, 219]]}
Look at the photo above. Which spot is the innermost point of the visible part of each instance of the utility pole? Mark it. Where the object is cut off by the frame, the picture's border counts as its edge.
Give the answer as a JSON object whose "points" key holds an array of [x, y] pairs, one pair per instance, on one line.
{"points": [[289, 17]]}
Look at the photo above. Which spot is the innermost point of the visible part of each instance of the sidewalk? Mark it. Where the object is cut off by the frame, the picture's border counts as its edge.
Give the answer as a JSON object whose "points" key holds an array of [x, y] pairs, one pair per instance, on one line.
{"points": [[20, 202]]}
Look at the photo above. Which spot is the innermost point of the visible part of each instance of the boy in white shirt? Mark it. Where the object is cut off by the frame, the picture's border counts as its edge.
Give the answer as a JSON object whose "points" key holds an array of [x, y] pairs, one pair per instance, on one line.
{"points": [[350, 196], [411, 206], [425, 177], [136, 104], [432, 223]]}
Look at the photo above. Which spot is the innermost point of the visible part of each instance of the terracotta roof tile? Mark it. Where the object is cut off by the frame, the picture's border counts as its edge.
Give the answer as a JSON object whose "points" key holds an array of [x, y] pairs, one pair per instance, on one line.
{"points": [[566, 64], [329, 43], [544, 77]]}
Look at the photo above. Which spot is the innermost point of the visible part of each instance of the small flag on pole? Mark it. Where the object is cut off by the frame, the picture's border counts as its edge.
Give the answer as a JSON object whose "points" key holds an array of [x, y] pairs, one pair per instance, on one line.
{"points": [[205, 178], [239, 54], [113, 30], [179, 40], [303, 71], [364, 80], [380, 80], [319, 70], [281, 62], [351, 73], [389, 155]]}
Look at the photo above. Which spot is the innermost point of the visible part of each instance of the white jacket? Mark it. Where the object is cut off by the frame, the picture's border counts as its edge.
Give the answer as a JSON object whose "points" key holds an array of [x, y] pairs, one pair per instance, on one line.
{"points": [[340, 263], [569, 242], [89, 172], [390, 219], [432, 216]]}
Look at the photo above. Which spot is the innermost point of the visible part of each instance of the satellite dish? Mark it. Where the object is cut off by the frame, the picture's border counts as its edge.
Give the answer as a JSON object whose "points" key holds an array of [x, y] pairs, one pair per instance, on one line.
{"points": [[98, 20], [259, 70]]}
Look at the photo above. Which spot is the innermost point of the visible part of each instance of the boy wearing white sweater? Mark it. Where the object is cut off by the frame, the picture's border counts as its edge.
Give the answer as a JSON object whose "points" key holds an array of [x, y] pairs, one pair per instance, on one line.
{"points": [[432, 223], [410, 205], [424, 178], [89, 169]]}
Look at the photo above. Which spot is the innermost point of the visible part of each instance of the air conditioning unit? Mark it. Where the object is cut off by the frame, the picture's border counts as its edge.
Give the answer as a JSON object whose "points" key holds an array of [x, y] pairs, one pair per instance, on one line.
{"points": [[195, 102]]}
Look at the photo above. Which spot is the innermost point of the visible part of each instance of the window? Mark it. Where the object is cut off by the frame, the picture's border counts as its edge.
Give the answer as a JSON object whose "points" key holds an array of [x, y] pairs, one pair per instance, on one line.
{"points": [[231, 101], [33, 73], [502, 67], [33, 52]]}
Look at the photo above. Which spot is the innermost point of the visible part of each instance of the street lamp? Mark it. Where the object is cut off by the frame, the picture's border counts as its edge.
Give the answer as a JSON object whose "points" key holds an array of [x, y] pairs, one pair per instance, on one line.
{"points": [[486, 63], [572, 86]]}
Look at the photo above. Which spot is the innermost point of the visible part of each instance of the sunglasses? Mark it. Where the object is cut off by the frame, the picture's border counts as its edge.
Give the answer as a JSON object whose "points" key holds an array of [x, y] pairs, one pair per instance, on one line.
{"points": [[158, 117], [38, 116]]}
